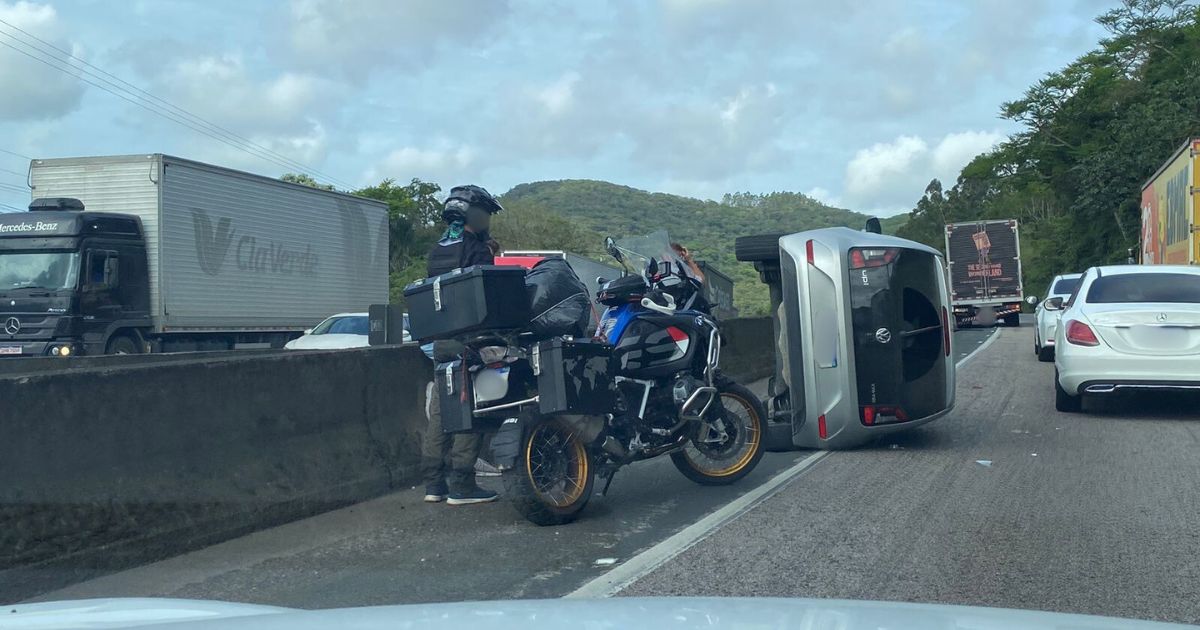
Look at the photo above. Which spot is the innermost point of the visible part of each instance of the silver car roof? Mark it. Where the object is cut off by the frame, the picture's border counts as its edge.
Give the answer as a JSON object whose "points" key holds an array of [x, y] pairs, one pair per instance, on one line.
{"points": [[844, 238]]}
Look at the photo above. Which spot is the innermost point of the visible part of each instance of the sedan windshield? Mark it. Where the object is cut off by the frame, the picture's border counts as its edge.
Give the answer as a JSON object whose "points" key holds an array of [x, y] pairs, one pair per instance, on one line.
{"points": [[353, 325], [1145, 287], [38, 270]]}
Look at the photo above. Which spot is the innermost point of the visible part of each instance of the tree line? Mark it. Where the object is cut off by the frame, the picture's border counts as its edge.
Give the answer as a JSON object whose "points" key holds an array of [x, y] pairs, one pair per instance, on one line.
{"points": [[1091, 135]]}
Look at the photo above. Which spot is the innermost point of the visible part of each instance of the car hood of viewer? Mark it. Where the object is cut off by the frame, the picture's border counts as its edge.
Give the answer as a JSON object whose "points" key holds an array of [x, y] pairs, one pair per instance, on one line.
{"points": [[612, 613]]}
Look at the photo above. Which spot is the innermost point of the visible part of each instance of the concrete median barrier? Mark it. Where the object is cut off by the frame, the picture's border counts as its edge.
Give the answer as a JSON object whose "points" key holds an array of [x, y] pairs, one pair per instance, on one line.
{"points": [[115, 465]]}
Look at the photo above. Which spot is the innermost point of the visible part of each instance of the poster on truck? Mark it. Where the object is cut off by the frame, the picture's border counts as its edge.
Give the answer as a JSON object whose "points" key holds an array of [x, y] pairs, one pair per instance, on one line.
{"points": [[1168, 210]]}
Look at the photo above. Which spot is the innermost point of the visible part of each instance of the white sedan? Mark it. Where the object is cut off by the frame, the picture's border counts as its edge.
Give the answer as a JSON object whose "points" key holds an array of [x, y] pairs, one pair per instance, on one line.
{"points": [[344, 330], [1129, 327], [1048, 311]]}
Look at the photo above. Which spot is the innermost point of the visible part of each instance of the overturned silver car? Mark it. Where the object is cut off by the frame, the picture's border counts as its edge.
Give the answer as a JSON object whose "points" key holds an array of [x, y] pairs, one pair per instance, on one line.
{"points": [[863, 334]]}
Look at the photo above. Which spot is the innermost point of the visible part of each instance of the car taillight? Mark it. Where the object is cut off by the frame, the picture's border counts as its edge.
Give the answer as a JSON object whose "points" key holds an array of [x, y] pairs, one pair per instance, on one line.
{"points": [[865, 257], [1080, 334], [946, 330], [808, 248], [821, 430], [882, 414]]}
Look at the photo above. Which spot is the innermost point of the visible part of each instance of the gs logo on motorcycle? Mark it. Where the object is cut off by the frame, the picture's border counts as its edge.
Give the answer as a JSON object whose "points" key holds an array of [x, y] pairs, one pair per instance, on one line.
{"points": [[883, 335]]}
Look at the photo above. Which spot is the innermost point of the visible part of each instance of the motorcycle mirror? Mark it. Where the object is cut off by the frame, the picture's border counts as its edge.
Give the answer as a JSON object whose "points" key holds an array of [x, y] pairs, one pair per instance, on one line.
{"points": [[874, 226], [610, 246]]}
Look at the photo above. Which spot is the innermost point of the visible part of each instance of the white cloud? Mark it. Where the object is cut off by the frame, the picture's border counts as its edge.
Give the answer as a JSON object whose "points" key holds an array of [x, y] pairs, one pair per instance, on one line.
{"points": [[957, 149], [443, 161], [222, 89], [558, 96], [888, 176], [352, 38], [33, 90], [877, 167], [824, 196]]}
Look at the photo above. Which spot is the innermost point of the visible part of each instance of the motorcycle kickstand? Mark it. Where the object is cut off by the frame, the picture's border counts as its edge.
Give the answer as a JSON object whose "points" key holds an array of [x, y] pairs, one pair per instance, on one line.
{"points": [[608, 477]]}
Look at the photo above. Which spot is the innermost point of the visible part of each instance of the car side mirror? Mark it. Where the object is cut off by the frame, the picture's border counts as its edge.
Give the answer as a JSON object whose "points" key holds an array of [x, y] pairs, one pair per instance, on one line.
{"points": [[874, 226], [601, 281], [1032, 300], [1054, 304]]}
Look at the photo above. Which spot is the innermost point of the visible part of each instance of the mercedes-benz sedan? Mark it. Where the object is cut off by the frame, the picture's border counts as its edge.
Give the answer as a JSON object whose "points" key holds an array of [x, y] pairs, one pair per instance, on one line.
{"points": [[1047, 313], [1129, 327]]}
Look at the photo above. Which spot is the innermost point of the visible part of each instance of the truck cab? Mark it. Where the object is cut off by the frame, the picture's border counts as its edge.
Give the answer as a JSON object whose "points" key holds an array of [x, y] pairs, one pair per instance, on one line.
{"points": [[71, 282]]}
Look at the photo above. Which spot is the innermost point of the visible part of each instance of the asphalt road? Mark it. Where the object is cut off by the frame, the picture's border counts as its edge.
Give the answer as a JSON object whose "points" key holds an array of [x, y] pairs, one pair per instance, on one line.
{"points": [[1005, 502], [396, 549]]}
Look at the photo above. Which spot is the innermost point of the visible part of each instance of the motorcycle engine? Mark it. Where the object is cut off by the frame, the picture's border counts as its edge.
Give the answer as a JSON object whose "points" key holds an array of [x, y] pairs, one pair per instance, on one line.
{"points": [[685, 385]]}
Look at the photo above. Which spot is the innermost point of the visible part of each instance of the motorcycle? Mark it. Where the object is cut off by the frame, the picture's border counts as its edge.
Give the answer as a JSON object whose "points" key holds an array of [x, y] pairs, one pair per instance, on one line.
{"points": [[648, 385]]}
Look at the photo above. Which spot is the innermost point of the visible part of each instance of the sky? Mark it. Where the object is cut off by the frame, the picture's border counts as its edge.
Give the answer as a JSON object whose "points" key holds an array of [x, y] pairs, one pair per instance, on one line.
{"points": [[858, 104]]}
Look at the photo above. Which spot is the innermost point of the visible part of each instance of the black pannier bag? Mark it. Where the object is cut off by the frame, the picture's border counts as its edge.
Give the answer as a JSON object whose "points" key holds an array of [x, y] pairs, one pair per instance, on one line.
{"points": [[575, 376], [558, 300], [464, 301]]}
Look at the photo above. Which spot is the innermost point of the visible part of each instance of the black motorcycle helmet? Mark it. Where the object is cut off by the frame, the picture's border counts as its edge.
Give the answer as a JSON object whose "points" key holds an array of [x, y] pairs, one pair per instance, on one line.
{"points": [[463, 199]]}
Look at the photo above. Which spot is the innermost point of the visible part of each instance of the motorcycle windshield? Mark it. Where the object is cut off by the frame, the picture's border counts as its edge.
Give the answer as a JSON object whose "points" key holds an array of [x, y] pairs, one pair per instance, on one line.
{"points": [[656, 246]]}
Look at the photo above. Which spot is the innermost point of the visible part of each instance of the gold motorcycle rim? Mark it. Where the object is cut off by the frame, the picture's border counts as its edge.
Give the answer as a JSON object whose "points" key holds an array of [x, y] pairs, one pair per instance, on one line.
{"points": [[556, 464], [743, 447]]}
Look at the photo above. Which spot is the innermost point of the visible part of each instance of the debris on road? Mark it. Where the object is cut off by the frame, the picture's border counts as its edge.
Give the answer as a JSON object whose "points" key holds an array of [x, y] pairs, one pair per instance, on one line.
{"points": [[986, 463], [605, 562]]}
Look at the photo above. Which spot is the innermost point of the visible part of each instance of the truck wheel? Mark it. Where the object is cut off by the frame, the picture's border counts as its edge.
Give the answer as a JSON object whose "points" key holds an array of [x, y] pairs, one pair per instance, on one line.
{"points": [[1063, 401], [122, 344], [758, 248]]}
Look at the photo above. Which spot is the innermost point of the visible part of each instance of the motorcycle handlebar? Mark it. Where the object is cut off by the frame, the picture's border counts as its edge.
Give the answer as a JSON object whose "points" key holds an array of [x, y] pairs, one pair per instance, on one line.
{"points": [[669, 309]]}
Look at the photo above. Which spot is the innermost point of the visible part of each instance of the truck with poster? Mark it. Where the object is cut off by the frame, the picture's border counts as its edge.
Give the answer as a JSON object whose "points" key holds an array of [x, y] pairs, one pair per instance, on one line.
{"points": [[1169, 210], [130, 254], [983, 259]]}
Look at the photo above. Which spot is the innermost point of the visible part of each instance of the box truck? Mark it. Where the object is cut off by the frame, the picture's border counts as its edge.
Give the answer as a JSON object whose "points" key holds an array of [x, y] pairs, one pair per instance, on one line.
{"points": [[1169, 210], [140, 253], [983, 259]]}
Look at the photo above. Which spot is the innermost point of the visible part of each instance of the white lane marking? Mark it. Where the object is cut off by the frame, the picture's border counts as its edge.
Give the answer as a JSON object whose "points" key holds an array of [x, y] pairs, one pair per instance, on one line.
{"points": [[981, 348], [638, 566], [642, 564]]}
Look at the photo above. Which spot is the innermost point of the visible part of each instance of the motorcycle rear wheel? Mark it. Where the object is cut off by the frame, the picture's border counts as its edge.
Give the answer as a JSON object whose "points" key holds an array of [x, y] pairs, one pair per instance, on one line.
{"points": [[711, 461], [553, 478]]}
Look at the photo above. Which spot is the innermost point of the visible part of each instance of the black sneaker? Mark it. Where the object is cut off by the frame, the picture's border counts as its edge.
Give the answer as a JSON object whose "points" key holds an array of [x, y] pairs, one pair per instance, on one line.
{"points": [[470, 497], [436, 493]]}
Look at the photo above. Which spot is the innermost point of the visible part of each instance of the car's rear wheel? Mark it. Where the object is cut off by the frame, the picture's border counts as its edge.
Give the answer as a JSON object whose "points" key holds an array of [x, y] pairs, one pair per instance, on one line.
{"points": [[1046, 354], [1063, 401], [758, 247]]}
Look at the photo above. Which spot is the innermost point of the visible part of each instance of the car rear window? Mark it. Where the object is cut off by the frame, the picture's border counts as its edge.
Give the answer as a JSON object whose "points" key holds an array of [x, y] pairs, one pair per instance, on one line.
{"points": [[350, 326], [1145, 287], [1066, 286]]}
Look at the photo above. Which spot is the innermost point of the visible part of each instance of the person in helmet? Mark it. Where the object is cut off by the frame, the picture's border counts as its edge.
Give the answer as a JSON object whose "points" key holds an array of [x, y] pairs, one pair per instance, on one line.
{"points": [[467, 212], [468, 215]]}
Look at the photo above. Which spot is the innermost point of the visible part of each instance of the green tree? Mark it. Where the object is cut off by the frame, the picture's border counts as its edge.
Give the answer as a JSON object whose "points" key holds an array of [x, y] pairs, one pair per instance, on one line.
{"points": [[1091, 134], [301, 178], [414, 224]]}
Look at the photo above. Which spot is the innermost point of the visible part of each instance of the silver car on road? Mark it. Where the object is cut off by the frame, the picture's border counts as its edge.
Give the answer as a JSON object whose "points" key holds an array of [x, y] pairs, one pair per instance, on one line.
{"points": [[1047, 313], [1129, 327]]}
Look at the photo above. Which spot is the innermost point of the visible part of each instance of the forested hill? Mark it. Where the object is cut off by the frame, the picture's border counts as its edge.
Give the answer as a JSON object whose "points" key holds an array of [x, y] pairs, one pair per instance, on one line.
{"points": [[1092, 134], [708, 228]]}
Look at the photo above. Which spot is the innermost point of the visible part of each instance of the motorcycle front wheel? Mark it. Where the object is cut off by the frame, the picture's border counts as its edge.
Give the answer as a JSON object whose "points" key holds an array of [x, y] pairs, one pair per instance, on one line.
{"points": [[729, 444], [552, 481]]}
